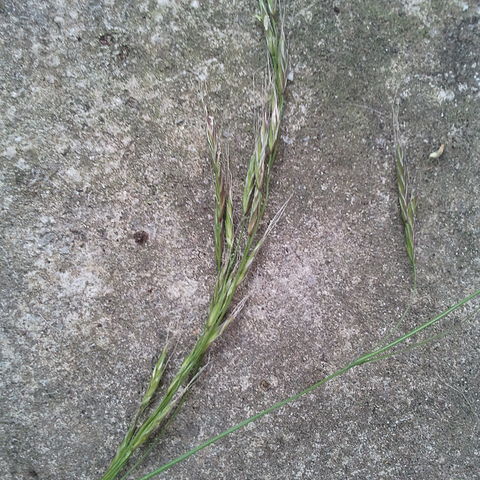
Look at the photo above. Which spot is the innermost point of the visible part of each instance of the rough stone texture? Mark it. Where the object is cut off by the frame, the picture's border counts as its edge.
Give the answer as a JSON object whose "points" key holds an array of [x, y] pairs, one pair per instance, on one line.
{"points": [[102, 136]]}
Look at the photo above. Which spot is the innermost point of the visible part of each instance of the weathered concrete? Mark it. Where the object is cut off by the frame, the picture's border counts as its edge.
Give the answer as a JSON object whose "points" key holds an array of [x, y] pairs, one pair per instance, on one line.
{"points": [[102, 136]]}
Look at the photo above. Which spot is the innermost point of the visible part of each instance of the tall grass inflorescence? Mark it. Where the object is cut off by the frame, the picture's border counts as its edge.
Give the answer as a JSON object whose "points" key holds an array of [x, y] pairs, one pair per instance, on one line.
{"points": [[234, 251]]}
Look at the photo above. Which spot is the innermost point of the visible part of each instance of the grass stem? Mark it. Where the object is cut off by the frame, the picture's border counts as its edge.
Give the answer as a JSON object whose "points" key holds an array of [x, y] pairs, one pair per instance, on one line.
{"points": [[232, 260], [373, 356]]}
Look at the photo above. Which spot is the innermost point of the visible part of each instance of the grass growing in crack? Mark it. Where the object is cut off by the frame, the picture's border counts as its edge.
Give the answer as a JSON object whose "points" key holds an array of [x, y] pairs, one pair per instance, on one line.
{"points": [[234, 254]]}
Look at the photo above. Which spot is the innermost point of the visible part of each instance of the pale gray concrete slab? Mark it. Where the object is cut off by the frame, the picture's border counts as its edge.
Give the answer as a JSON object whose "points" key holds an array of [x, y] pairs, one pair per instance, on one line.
{"points": [[102, 137]]}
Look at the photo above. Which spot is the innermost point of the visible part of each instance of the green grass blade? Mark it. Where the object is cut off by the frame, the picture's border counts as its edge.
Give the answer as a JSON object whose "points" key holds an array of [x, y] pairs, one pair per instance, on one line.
{"points": [[375, 355]]}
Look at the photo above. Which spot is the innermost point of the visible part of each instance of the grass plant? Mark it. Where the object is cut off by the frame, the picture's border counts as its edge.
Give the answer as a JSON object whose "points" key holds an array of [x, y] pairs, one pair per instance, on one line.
{"points": [[407, 203], [375, 355], [234, 253], [236, 246]]}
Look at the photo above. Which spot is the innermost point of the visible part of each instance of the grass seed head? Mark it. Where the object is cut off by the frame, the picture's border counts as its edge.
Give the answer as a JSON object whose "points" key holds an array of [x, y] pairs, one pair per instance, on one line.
{"points": [[406, 201], [236, 261]]}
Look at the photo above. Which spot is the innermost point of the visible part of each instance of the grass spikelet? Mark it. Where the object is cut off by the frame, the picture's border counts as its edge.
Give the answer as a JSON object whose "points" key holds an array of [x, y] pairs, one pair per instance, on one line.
{"points": [[234, 251], [406, 200], [249, 185], [229, 225], [220, 193], [155, 380], [256, 189]]}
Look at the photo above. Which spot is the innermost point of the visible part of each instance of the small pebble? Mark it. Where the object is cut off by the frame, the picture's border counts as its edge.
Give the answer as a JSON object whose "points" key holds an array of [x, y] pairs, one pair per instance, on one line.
{"points": [[140, 237]]}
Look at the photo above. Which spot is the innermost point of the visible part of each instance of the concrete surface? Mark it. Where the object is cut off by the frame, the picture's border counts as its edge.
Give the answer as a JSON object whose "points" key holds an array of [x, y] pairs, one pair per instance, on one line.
{"points": [[102, 137]]}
